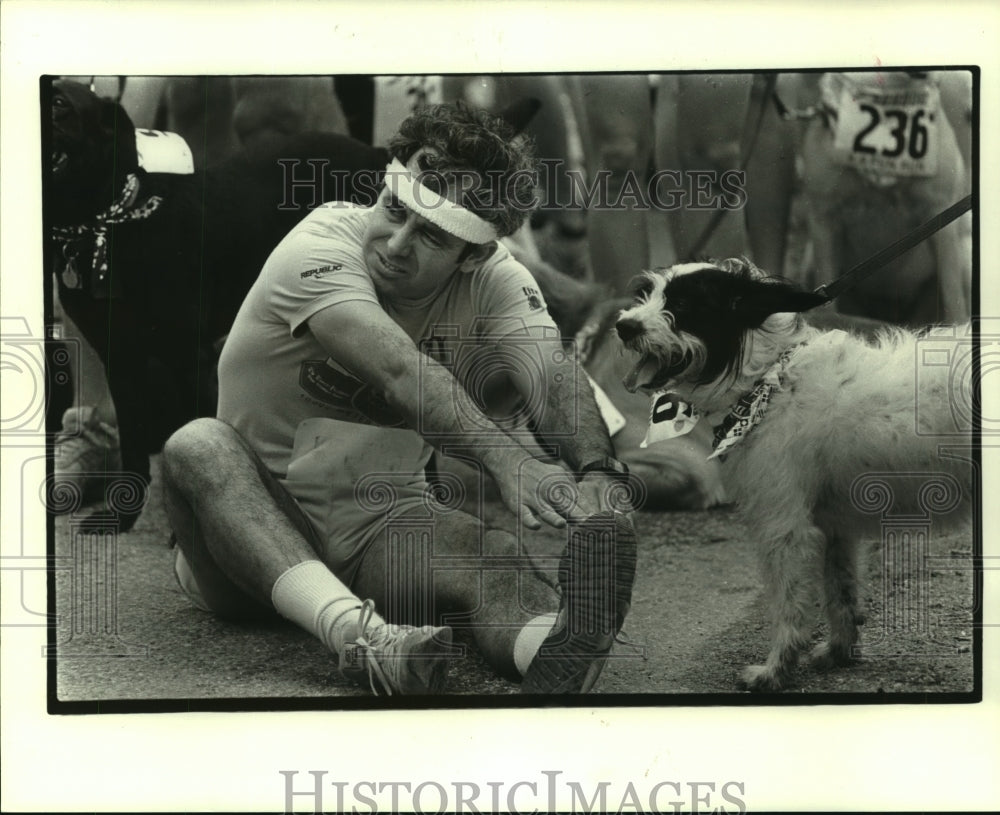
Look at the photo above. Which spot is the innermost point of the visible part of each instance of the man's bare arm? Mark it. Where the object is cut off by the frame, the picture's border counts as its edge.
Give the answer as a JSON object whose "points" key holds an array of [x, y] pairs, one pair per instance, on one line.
{"points": [[562, 403], [363, 338], [567, 417]]}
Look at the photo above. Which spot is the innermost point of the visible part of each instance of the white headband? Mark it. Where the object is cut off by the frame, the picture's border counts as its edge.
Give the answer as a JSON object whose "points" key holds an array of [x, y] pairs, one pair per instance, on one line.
{"points": [[451, 217]]}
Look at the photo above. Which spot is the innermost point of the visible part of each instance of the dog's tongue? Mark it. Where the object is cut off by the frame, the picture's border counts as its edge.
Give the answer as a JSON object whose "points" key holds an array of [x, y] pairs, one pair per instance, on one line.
{"points": [[635, 378]]}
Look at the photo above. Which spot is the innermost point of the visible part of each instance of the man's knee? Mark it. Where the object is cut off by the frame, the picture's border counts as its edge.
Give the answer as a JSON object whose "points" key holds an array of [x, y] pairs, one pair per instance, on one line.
{"points": [[198, 448]]}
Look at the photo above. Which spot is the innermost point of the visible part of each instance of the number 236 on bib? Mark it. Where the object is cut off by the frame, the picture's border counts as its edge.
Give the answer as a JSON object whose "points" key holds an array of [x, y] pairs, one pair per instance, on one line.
{"points": [[889, 131]]}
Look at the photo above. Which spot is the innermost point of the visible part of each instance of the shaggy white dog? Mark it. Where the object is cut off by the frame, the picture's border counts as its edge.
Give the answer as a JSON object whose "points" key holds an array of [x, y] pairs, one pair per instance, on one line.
{"points": [[801, 417]]}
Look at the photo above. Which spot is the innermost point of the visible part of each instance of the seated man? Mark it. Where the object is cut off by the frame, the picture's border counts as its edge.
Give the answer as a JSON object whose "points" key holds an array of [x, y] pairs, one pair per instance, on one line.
{"points": [[356, 350]]}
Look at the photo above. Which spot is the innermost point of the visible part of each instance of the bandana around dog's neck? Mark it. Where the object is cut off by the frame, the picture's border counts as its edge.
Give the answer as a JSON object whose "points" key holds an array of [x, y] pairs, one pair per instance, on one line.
{"points": [[125, 208], [749, 410], [670, 416], [440, 211]]}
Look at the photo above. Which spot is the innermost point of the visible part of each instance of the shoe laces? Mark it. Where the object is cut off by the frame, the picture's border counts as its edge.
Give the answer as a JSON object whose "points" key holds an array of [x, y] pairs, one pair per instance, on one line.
{"points": [[369, 642], [622, 638]]}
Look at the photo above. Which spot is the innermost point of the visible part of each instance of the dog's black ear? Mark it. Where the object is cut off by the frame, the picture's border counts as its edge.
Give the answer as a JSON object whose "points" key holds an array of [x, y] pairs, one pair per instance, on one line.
{"points": [[113, 116], [120, 132], [757, 300], [520, 113]]}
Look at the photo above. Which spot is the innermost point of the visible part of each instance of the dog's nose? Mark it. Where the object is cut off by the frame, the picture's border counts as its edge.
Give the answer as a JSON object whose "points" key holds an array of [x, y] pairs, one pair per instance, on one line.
{"points": [[628, 328]]}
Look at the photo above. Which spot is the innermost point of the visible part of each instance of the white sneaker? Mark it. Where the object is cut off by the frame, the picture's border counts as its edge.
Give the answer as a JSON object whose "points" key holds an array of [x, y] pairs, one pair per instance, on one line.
{"points": [[396, 658], [85, 448]]}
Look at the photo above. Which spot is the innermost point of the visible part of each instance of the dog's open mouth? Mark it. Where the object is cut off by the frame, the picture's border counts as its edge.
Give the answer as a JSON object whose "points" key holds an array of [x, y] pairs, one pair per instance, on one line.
{"points": [[60, 160], [649, 375]]}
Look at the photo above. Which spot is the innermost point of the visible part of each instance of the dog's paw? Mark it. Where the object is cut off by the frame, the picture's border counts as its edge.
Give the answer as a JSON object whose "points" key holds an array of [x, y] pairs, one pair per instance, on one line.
{"points": [[825, 656], [761, 679]]}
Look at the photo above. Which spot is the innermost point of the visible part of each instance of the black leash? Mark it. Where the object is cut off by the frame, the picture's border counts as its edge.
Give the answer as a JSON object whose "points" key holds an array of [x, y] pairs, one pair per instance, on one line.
{"points": [[891, 252]]}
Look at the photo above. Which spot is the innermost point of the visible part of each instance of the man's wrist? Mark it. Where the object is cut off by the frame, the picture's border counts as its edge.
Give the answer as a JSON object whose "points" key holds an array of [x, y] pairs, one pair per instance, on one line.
{"points": [[503, 459], [607, 466]]}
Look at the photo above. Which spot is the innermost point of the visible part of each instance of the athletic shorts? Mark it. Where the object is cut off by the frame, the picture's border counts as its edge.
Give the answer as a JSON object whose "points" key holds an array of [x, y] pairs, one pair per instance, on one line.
{"points": [[340, 501], [349, 480]]}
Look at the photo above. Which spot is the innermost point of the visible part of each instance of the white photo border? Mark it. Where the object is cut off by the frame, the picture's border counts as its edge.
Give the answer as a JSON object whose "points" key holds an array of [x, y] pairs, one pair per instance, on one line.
{"points": [[937, 757]]}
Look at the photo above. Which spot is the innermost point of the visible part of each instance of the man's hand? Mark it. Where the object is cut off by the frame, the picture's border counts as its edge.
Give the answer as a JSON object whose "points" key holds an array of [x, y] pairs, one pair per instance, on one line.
{"points": [[537, 492]]}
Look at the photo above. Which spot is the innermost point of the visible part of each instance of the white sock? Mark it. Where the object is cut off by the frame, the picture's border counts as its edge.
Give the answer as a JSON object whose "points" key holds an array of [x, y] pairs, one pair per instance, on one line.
{"points": [[530, 638], [311, 596]]}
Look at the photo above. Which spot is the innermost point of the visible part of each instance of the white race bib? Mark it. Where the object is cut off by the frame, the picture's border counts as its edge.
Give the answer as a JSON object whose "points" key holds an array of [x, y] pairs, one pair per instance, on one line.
{"points": [[889, 132]]}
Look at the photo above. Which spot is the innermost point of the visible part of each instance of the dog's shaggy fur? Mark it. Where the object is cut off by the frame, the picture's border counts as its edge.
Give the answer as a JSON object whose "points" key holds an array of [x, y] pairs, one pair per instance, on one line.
{"points": [[845, 408]]}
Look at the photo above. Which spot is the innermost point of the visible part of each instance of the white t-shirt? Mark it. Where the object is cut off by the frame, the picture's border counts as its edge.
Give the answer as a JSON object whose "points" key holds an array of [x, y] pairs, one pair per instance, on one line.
{"points": [[315, 424]]}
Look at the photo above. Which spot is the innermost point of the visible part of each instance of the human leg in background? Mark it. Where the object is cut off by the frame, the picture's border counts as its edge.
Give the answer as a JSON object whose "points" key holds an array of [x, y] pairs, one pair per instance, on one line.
{"points": [[87, 442], [770, 183], [699, 128], [616, 123], [702, 123], [200, 110], [356, 93]]}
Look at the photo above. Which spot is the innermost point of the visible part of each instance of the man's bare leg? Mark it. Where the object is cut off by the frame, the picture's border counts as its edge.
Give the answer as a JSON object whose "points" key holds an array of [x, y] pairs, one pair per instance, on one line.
{"points": [[237, 528], [252, 551], [523, 629], [495, 602]]}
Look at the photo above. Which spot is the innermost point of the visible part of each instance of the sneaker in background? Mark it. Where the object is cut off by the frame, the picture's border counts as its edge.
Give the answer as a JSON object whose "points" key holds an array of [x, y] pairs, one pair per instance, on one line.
{"points": [[84, 449]]}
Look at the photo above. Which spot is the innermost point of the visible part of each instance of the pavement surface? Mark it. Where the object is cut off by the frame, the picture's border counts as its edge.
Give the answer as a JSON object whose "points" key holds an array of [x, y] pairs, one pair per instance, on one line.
{"points": [[128, 636]]}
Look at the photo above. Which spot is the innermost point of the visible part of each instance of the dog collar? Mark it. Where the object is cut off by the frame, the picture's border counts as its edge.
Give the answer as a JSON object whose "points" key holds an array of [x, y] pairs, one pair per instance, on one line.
{"points": [[670, 416], [749, 410], [123, 209], [440, 211]]}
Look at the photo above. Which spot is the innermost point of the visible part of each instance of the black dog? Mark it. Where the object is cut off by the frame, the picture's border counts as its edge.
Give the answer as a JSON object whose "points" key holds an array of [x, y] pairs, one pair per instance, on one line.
{"points": [[152, 267]]}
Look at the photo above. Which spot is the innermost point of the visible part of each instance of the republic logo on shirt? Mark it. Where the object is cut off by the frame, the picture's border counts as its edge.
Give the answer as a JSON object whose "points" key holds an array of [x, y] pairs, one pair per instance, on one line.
{"points": [[322, 270], [328, 383]]}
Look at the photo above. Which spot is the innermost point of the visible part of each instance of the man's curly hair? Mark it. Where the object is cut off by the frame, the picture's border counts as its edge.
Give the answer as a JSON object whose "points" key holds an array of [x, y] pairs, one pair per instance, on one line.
{"points": [[465, 139]]}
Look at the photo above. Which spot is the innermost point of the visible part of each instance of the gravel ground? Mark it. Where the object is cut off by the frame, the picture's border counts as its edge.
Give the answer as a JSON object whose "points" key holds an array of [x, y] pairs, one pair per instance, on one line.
{"points": [[697, 618]]}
